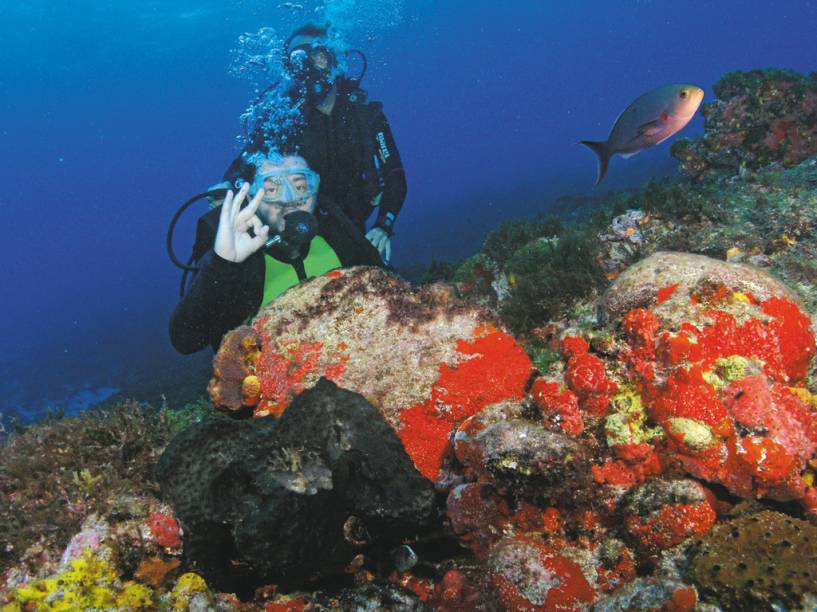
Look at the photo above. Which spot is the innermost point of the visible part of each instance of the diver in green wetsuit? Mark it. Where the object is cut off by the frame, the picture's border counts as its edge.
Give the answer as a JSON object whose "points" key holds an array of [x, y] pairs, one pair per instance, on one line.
{"points": [[261, 250]]}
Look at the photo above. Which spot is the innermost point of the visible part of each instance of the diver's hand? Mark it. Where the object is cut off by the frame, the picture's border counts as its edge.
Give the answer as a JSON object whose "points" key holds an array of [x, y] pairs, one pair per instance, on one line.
{"points": [[233, 240], [381, 241]]}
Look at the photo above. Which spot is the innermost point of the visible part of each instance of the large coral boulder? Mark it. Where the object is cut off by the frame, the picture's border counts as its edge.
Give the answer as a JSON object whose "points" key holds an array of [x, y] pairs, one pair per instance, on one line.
{"points": [[666, 281], [720, 358], [759, 117], [425, 360], [286, 499]]}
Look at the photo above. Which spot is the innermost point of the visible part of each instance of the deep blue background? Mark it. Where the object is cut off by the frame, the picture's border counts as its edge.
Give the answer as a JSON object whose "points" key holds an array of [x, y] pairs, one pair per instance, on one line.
{"points": [[114, 112]]}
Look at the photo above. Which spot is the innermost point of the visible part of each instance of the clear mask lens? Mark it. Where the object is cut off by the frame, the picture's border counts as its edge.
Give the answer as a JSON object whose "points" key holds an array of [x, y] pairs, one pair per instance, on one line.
{"points": [[288, 188], [315, 54]]}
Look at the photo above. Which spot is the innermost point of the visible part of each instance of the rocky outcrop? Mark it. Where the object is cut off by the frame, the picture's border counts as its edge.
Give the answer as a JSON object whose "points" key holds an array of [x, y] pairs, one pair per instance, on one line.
{"points": [[760, 117], [283, 500], [423, 358]]}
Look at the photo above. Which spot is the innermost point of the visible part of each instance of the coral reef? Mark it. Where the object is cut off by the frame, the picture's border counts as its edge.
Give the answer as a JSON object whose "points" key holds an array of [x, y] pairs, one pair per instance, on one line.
{"points": [[572, 492], [56, 474], [647, 444], [423, 358], [764, 218], [760, 117]]}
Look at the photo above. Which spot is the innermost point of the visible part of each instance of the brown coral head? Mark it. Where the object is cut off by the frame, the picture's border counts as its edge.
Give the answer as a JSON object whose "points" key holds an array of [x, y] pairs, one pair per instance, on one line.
{"points": [[231, 388]]}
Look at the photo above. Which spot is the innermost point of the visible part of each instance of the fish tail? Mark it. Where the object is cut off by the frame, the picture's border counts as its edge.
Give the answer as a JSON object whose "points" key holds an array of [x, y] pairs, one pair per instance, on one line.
{"points": [[600, 149]]}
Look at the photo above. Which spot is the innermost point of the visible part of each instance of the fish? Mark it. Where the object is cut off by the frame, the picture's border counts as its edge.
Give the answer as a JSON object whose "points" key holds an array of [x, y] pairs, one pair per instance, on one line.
{"points": [[649, 120]]}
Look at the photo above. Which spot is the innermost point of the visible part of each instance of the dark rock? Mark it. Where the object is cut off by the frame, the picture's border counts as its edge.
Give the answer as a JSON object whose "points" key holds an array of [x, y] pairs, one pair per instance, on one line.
{"points": [[531, 462], [404, 558], [284, 500]]}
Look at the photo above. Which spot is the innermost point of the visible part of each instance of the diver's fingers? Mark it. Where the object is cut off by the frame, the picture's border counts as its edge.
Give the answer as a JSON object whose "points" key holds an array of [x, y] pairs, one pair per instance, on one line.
{"points": [[261, 232], [388, 250], [226, 207], [249, 211], [239, 200]]}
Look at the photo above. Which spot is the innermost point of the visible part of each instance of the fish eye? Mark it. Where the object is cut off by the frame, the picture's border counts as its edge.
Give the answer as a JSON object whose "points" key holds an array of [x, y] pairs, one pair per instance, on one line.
{"points": [[683, 94]]}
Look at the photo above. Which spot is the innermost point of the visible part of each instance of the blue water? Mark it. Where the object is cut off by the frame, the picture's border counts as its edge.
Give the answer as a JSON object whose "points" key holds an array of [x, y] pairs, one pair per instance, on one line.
{"points": [[113, 112]]}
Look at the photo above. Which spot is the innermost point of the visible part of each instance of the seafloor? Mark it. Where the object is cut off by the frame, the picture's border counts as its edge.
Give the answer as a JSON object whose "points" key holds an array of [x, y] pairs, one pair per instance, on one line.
{"points": [[612, 408]]}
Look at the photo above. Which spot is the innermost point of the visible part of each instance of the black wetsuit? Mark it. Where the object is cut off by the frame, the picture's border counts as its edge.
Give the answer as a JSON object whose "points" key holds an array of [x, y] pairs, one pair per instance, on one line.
{"points": [[224, 294], [353, 151]]}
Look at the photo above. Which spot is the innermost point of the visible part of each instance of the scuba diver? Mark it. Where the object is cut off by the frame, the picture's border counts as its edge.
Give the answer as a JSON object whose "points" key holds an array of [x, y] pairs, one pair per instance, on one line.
{"points": [[249, 256], [343, 137]]}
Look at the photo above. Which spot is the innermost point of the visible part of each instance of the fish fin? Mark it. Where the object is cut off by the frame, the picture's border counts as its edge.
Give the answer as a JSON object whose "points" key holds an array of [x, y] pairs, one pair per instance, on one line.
{"points": [[600, 149], [658, 142], [651, 128], [629, 155]]}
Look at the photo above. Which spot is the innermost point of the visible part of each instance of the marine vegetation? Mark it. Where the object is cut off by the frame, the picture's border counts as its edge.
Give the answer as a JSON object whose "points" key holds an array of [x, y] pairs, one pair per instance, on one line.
{"points": [[766, 218], [760, 209], [57, 473], [547, 277]]}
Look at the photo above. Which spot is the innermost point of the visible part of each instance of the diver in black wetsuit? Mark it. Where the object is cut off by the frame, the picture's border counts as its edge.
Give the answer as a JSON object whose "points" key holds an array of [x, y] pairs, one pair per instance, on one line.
{"points": [[343, 137], [345, 141], [248, 257]]}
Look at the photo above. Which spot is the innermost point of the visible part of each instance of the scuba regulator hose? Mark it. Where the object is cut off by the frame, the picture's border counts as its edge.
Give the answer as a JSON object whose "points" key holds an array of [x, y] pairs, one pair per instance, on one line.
{"points": [[187, 267]]}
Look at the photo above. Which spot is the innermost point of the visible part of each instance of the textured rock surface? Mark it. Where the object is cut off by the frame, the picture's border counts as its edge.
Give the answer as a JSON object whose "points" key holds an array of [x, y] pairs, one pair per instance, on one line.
{"points": [[760, 117], [580, 486], [756, 561], [722, 371], [290, 498], [525, 458], [680, 275], [529, 576], [662, 513], [424, 359]]}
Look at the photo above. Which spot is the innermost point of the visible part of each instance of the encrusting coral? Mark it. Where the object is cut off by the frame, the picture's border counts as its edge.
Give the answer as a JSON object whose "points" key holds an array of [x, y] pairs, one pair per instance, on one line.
{"points": [[423, 358], [759, 117]]}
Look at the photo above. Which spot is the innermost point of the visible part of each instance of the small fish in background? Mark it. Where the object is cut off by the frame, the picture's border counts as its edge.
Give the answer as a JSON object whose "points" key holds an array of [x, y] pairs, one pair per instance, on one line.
{"points": [[650, 120]]}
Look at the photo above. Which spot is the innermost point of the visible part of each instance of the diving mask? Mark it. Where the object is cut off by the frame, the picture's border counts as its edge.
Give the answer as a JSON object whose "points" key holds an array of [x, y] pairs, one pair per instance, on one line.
{"points": [[286, 187], [308, 56]]}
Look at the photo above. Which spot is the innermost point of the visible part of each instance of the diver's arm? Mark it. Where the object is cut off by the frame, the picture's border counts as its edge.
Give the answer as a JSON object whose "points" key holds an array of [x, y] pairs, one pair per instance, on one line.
{"points": [[215, 300], [212, 306], [394, 179]]}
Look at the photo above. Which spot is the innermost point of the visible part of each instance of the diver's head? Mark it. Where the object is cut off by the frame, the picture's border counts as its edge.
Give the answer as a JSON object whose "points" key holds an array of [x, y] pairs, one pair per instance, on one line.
{"points": [[310, 61], [289, 185]]}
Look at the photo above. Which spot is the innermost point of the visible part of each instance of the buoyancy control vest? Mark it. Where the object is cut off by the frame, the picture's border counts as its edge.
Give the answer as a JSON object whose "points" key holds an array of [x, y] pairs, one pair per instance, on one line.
{"points": [[281, 275]]}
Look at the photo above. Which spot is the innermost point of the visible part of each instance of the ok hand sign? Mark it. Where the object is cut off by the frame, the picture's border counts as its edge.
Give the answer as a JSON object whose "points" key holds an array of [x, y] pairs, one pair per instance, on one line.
{"points": [[233, 240]]}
